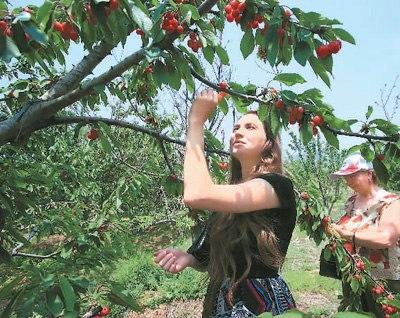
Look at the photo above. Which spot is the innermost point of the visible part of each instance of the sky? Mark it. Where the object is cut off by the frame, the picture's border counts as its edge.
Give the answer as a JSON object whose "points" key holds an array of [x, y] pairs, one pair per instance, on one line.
{"points": [[360, 71]]}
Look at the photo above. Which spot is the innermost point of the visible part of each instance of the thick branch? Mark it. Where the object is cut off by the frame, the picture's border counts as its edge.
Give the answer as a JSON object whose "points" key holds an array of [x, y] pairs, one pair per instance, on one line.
{"points": [[120, 123], [80, 71], [29, 118]]}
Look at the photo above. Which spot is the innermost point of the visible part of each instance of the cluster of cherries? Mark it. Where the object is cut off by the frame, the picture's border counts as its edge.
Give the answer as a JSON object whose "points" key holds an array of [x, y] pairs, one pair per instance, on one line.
{"points": [[317, 120], [170, 23], [67, 30], [326, 50], [233, 10], [295, 115], [194, 41]]}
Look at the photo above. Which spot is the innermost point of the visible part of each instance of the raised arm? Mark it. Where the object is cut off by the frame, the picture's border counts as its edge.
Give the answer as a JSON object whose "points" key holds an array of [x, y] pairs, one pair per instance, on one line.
{"points": [[200, 192]]}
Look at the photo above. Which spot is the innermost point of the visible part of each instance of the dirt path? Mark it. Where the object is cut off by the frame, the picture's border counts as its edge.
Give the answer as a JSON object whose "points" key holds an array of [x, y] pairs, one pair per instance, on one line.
{"points": [[192, 308]]}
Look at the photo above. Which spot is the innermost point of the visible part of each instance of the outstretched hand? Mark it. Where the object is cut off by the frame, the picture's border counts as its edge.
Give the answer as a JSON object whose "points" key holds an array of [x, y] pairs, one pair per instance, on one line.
{"points": [[173, 260], [204, 104]]}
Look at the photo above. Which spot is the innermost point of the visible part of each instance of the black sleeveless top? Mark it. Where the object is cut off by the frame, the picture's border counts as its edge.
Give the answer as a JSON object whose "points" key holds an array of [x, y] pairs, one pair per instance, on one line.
{"points": [[282, 221]]}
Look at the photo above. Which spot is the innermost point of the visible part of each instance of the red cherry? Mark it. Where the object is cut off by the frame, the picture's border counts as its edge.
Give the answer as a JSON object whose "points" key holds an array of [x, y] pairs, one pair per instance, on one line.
{"points": [[325, 221], [139, 32], [254, 24], [104, 311], [230, 18], [241, 7], [223, 166], [304, 196], [380, 157], [3, 25], [179, 29], [93, 134], [113, 4], [279, 104], [280, 32], [360, 265], [323, 51], [348, 247], [58, 26], [221, 96], [223, 85], [335, 46], [74, 35], [318, 120], [228, 9], [8, 32]]}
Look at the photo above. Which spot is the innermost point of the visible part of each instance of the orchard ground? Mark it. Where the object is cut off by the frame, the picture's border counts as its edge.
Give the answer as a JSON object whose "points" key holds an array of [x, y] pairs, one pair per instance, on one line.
{"points": [[314, 294]]}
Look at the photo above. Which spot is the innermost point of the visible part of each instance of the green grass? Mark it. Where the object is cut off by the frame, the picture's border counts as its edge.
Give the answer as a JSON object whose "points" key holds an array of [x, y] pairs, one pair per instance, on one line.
{"points": [[152, 286]]}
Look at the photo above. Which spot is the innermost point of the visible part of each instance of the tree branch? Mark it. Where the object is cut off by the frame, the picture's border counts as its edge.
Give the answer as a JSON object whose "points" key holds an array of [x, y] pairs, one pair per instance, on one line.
{"points": [[393, 138], [23, 123], [80, 71], [120, 123]]}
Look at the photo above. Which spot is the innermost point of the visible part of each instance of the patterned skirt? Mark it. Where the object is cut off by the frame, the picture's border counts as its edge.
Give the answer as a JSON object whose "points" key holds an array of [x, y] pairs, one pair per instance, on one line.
{"points": [[255, 296]]}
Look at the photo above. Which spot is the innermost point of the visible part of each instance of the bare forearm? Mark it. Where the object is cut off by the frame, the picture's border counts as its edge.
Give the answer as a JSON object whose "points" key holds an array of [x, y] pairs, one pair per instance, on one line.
{"points": [[196, 176], [374, 239]]}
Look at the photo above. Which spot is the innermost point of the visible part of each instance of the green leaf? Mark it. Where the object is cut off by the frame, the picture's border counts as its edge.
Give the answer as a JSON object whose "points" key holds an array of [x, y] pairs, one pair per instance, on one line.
{"points": [[313, 94], [141, 19], [55, 304], [194, 13], [223, 105], [222, 54], [302, 53], [6, 313], [247, 43], [208, 53], [6, 291], [211, 38], [288, 95], [344, 35], [367, 152], [44, 12], [381, 170], [68, 293], [306, 133], [289, 78], [262, 112], [319, 70], [36, 34], [8, 49], [330, 137], [369, 112], [385, 126], [120, 296], [272, 52], [105, 143], [327, 63]]}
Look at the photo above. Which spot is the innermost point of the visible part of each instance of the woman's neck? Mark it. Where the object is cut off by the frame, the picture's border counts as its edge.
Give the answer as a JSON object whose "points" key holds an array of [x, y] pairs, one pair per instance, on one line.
{"points": [[368, 193], [248, 168]]}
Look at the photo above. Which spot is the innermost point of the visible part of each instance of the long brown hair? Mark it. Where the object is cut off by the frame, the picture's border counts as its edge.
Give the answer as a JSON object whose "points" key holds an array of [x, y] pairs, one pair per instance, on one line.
{"points": [[232, 231]]}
